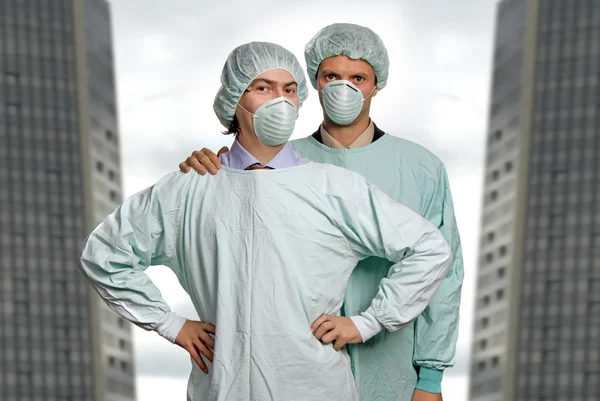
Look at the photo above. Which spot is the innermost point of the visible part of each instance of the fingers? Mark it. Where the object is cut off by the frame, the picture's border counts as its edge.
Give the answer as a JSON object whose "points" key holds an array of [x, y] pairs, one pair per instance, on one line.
{"points": [[322, 319], [203, 161], [209, 327], [330, 336], [339, 343], [197, 358], [195, 164], [215, 159], [327, 331], [207, 339], [208, 159], [184, 167], [337, 337], [200, 346], [206, 162], [324, 329], [205, 152]]}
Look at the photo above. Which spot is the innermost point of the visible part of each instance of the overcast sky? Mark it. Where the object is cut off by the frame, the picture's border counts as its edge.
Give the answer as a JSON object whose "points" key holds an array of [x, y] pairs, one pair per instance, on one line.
{"points": [[169, 57]]}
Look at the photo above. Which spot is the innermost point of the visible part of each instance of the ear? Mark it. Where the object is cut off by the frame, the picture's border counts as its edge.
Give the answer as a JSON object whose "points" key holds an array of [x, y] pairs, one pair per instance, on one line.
{"points": [[375, 91]]}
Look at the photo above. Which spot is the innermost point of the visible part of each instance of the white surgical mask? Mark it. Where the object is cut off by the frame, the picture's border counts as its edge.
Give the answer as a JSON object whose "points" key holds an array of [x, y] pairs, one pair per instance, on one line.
{"points": [[343, 101], [274, 121]]}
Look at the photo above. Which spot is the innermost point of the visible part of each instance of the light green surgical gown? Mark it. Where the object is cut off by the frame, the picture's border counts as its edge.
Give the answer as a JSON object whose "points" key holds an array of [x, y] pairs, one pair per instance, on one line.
{"points": [[262, 255], [385, 366]]}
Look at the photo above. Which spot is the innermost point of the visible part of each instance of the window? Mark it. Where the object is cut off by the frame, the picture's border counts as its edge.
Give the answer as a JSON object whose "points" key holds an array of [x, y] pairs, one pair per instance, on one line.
{"points": [[493, 195], [124, 366], [483, 344], [497, 135], [12, 77], [113, 195], [503, 250], [489, 257], [112, 361], [13, 108], [495, 175], [495, 361], [490, 236], [481, 365], [484, 322], [486, 300], [21, 287], [99, 166], [500, 294], [109, 134], [122, 344], [508, 166], [111, 175]]}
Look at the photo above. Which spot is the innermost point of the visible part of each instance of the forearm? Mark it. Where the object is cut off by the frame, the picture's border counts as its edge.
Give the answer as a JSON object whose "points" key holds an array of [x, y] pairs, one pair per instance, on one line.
{"points": [[420, 255], [127, 291], [368, 326], [170, 326], [436, 329], [117, 253], [412, 282], [430, 380]]}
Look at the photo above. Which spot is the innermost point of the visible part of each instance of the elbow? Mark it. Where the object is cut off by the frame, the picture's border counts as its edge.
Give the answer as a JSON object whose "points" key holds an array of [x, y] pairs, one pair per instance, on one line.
{"points": [[86, 259], [448, 261], [83, 257], [442, 248], [82, 253], [446, 258]]}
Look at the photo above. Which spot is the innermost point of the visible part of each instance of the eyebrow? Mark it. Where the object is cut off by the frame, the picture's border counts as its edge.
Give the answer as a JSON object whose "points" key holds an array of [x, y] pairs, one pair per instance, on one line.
{"points": [[270, 82], [329, 72], [357, 74]]}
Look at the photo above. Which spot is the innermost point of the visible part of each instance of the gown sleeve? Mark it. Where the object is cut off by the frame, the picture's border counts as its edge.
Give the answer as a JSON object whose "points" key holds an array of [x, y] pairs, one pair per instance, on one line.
{"points": [[143, 231], [375, 225], [436, 329]]}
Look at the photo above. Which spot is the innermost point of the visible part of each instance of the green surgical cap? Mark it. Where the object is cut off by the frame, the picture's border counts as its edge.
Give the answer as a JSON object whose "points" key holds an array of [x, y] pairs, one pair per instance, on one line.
{"points": [[353, 41], [243, 65]]}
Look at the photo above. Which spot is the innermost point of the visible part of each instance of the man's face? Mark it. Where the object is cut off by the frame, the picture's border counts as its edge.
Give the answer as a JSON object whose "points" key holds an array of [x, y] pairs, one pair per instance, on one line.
{"points": [[358, 72], [267, 86]]}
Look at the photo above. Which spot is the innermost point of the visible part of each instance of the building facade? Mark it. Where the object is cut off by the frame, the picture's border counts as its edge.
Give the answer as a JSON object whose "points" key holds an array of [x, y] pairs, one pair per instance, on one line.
{"points": [[537, 317], [59, 177]]}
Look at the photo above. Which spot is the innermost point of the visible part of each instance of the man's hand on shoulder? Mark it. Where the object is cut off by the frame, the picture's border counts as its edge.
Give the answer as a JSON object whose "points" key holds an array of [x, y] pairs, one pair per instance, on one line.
{"points": [[202, 161]]}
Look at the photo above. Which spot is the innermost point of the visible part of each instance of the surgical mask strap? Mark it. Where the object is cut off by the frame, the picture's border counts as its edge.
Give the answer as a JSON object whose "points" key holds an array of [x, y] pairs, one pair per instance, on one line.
{"points": [[364, 98], [369, 95], [242, 107]]}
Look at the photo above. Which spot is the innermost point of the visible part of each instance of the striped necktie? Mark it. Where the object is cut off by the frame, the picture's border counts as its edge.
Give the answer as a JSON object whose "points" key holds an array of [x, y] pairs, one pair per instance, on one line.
{"points": [[257, 166]]}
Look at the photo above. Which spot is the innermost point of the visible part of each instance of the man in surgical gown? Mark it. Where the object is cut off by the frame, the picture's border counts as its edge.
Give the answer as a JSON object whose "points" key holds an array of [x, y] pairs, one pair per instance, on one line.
{"points": [[348, 64], [265, 251]]}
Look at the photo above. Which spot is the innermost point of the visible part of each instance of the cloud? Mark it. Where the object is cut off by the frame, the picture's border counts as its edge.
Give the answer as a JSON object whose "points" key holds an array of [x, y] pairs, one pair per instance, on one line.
{"points": [[150, 388], [461, 369], [157, 357], [454, 388]]}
